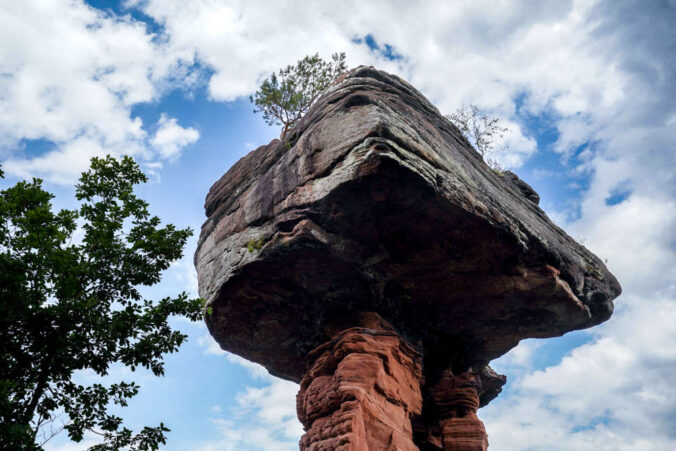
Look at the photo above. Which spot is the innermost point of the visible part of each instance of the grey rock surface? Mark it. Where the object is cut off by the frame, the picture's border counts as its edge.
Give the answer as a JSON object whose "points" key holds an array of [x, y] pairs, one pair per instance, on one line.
{"points": [[375, 202]]}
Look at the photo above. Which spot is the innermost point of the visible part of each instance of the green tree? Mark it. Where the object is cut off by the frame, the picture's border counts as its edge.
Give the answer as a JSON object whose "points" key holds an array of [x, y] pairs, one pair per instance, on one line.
{"points": [[483, 132], [285, 97], [70, 300]]}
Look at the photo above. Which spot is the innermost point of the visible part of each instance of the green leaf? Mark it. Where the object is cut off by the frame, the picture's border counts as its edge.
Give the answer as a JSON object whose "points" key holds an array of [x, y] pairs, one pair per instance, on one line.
{"points": [[286, 96], [68, 305]]}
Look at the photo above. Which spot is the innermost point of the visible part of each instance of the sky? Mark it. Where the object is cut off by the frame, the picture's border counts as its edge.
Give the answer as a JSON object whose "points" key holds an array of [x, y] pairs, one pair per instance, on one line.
{"points": [[586, 89]]}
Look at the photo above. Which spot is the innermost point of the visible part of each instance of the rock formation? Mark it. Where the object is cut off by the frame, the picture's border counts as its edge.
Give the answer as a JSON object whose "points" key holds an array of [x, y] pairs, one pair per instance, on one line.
{"points": [[374, 257]]}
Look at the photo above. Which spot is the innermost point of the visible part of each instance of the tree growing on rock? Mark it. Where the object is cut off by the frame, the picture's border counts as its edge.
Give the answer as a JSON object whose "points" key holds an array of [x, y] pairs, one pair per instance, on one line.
{"points": [[70, 300], [483, 132], [286, 96]]}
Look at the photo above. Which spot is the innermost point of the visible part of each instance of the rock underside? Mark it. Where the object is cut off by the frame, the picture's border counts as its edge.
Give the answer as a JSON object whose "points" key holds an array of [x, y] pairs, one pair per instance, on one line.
{"points": [[375, 206]]}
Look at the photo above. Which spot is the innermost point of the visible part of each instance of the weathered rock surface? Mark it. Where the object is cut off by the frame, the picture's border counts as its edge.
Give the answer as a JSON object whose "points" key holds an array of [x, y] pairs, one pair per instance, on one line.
{"points": [[363, 388], [453, 423], [376, 203]]}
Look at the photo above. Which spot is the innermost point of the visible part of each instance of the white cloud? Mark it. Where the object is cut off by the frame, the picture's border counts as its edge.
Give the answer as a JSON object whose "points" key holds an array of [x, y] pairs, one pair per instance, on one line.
{"points": [[69, 75], [264, 418], [237, 436], [613, 393], [183, 277], [518, 148], [635, 236], [521, 356], [170, 138], [210, 346], [242, 40], [256, 371], [62, 165], [89, 440], [468, 52]]}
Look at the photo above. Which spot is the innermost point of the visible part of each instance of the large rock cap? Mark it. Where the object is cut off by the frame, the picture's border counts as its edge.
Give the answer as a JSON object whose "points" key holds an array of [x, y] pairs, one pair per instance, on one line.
{"points": [[375, 202]]}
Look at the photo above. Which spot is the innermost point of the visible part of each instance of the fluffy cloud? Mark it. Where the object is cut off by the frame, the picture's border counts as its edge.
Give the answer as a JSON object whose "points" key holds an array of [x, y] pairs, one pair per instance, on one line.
{"points": [[69, 75], [264, 418], [543, 53], [170, 138], [244, 40], [614, 393]]}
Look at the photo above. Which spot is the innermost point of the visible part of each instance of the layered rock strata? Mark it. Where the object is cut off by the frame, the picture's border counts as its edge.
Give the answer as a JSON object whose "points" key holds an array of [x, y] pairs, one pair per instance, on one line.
{"points": [[455, 401], [361, 391], [375, 202]]}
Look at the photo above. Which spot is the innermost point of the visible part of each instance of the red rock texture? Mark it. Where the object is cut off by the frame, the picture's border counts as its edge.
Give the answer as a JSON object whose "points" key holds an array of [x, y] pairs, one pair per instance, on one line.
{"points": [[375, 202], [455, 400], [365, 390], [361, 392]]}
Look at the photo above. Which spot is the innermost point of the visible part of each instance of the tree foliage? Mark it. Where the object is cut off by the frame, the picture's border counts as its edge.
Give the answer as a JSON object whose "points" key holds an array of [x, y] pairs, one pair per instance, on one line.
{"points": [[285, 97], [483, 132], [70, 300]]}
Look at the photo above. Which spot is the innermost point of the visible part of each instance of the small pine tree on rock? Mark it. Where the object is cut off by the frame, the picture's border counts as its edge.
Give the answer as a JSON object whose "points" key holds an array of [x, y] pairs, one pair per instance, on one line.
{"points": [[286, 96]]}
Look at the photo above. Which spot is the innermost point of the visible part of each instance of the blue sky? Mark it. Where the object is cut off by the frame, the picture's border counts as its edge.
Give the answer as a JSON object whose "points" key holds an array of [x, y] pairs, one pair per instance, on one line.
{"points": [[585, 88]]}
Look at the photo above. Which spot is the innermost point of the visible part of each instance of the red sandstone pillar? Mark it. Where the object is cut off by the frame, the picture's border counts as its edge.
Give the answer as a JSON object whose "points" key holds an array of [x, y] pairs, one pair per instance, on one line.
{"points": [[456, 401], [361, 390]]}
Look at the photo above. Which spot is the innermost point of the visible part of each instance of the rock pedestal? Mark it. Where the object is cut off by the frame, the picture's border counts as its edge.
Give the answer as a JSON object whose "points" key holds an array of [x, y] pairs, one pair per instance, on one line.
{"points": [[375, 202], [455, 401], [362, 390]]}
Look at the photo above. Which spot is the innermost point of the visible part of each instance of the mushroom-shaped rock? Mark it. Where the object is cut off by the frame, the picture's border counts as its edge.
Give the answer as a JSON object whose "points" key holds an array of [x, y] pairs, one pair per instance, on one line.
{"points": [[372, 256]]}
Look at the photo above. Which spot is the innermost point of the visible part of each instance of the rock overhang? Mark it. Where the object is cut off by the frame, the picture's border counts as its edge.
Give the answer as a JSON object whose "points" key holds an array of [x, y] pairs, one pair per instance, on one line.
{"points": [[375, 202]]}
